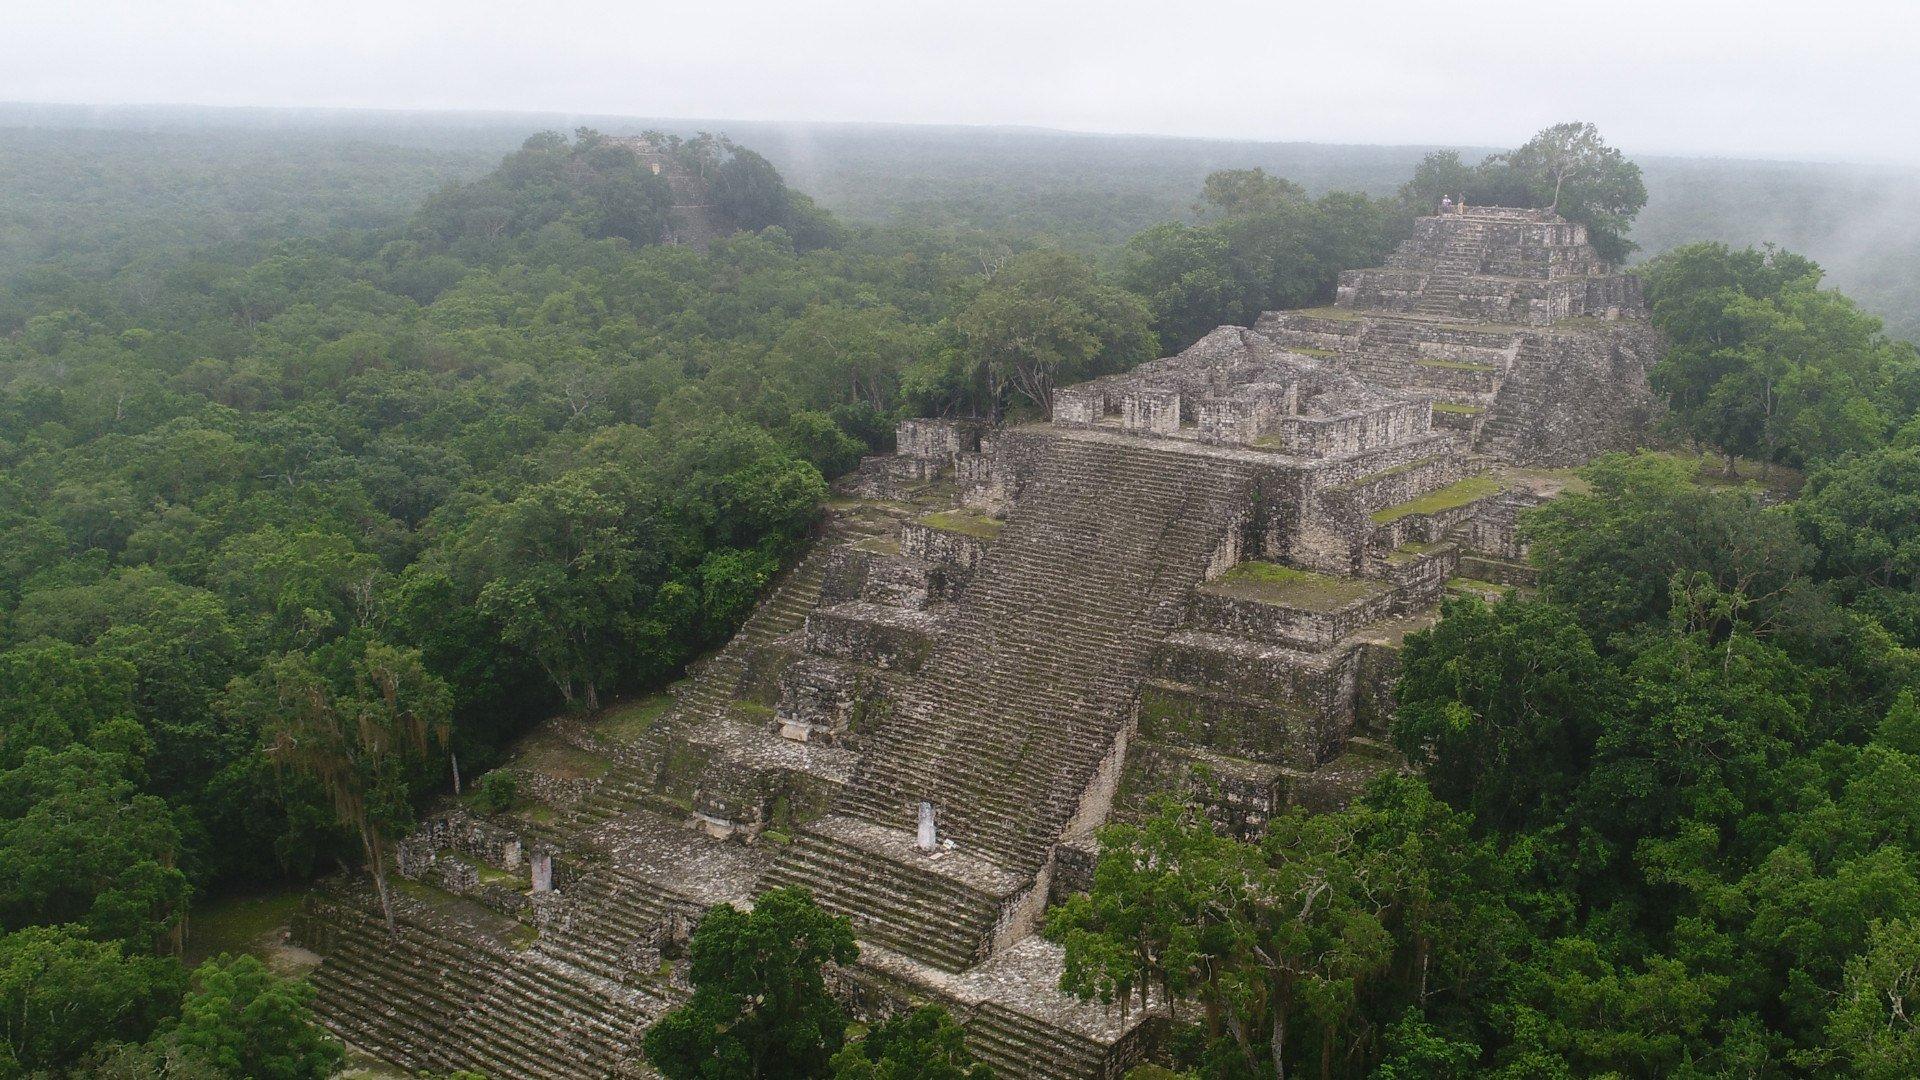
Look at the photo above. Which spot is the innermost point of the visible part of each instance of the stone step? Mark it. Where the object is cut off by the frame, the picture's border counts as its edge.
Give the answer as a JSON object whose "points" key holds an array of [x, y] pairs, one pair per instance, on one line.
{"points": [[1016, 1045], [896, 897]]}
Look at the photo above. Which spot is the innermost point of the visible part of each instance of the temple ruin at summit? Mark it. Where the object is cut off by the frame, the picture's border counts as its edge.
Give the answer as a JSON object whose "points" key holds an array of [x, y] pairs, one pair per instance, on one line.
{"points": [[1194, 579]]}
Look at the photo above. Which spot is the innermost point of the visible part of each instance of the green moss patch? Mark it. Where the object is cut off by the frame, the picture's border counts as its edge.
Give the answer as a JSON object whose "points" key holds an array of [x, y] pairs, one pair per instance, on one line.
{"points": [[1287, 586], [631, 722], [978, 526], [550, 757], [1486, 590], [1457, 409], [1456, 494], [1407, 553]]}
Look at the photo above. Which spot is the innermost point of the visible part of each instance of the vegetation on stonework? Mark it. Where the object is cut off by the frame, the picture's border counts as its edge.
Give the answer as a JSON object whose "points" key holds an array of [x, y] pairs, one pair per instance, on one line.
{"points": [[1454, 495], [761, 1008], [1275, 583], [978, 526], [1659, 823], [1568, 168]]}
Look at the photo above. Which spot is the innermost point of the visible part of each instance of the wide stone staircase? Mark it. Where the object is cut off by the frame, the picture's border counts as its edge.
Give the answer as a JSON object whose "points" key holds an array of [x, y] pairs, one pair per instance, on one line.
{"points": [[1024, 693], [944, 914], [1523, 398], [460, 987], [1019, 1045], [398, 998], [616, 917]]}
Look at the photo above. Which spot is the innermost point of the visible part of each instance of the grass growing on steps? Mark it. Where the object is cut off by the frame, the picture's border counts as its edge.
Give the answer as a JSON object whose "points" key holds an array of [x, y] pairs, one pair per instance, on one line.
{"points": [[1458, 408], [239, 924], [1286, 586], [549, 756], [1459, 493], [978, 526], [631, 722]]}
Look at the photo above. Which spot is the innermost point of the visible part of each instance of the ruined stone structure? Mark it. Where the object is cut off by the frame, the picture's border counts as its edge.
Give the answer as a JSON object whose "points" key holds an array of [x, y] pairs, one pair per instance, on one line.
{"points": [[690, 219], [1194, 580]]}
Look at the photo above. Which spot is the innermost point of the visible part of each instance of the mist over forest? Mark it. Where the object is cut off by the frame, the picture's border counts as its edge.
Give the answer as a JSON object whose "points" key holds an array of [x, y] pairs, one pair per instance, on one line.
{"points": [[79, 182]]}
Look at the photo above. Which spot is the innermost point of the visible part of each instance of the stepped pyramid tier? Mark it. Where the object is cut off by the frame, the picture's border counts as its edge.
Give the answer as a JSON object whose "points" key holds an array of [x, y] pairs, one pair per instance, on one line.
{"points": [[1495, 264], [1192, 580], [690, 217]]}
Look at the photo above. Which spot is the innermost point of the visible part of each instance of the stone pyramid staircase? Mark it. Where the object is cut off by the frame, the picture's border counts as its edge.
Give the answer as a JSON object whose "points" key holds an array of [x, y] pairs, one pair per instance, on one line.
{"points": [[1026, 689]]}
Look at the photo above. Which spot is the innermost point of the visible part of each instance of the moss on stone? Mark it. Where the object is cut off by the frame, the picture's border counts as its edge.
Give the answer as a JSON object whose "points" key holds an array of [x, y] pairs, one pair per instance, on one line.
{"points": [[1287, 586], [978, 526], [1407, 553], [1458, 409], [1338, 314], [550, 757], [1487, 589], [631, 722], [1456, 494]]}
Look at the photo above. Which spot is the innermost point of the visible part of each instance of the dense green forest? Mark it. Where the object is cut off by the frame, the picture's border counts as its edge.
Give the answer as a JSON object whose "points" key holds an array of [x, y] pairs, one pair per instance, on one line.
{"points": [[1087, 193], [299, 531], [321, 483]]}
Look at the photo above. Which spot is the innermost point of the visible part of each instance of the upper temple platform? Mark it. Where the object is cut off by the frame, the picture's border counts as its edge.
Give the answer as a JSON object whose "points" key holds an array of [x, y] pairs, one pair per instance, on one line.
{"points": [[1499, 324], [1239, 387], [1497, 265]]}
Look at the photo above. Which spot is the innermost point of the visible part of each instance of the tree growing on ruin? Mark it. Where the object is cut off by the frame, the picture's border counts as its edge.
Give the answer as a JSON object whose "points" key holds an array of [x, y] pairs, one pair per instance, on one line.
{"points": [[1044, 319], [760, 1006], [363, 738], [1568, 168], [924, 1044]]}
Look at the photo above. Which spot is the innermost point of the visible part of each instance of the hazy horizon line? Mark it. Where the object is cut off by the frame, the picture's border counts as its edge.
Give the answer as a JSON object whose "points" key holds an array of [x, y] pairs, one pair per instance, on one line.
{"points": [[571, 118]]}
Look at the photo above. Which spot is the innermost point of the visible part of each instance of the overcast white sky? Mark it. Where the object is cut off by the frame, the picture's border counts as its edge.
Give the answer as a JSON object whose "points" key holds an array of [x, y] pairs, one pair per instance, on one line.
{"points": [[1839, 79]]}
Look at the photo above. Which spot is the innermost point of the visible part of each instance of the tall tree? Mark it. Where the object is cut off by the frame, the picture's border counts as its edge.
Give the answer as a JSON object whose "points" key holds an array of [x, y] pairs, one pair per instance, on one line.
{"points": [[363, 741]]}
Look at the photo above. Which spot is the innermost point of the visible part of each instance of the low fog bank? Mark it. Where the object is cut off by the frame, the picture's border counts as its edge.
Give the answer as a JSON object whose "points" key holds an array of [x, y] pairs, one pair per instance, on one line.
{"points": [[1089, 192]]}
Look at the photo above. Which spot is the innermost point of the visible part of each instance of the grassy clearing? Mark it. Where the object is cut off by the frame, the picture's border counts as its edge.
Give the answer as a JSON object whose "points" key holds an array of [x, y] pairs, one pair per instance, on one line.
{"points": [[1710, 471], [1286, 586], [1456, 494], [978, 526], [1458, 409]]}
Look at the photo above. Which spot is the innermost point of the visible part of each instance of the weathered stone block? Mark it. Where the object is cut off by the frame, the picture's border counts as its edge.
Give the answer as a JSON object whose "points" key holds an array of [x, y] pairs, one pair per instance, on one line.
{"points": [[884, 637]]}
